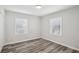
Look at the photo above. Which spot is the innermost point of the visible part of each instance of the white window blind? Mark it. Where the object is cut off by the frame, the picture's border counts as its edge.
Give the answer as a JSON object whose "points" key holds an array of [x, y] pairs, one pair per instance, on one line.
{"points": [[21, 25], [56, 26]]}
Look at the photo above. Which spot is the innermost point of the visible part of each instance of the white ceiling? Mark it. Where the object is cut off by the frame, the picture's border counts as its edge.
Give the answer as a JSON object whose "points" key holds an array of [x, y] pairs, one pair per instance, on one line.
{"points": [[30, 9]]}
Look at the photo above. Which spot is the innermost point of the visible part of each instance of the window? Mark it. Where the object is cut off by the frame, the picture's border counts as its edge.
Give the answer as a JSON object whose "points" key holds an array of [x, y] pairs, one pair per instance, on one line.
{"points": [[21, 26], [56, 26]]}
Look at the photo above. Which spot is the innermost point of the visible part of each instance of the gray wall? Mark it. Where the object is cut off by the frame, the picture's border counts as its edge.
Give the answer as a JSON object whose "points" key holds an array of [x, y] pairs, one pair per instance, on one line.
{"points": [[2, 35], [33, 27], [70, 37]]}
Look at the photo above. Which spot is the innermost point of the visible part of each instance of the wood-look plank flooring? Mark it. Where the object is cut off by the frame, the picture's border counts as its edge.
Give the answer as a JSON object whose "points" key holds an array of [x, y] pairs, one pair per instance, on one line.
{"points": [[37, 46]]}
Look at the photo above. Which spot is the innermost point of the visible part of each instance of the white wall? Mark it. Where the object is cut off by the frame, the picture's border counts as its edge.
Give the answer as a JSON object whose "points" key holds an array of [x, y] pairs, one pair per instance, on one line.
{"points": [[2, 36], [33, 27], [70, 36]]}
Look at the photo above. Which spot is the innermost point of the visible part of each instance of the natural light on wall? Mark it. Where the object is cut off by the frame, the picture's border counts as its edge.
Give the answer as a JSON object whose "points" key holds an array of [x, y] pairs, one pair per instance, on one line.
{"points": [[56, 26], [21, 26]]}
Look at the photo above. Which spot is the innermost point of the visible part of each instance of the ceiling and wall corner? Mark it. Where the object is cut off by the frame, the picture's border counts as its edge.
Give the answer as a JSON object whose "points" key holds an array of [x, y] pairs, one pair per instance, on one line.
{"points": [[32, 10]]}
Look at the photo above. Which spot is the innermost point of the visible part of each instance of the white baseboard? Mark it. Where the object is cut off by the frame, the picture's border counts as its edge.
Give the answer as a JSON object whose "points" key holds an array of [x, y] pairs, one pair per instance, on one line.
{"points": [[46, 39], [21, 41], [62, 44]]}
